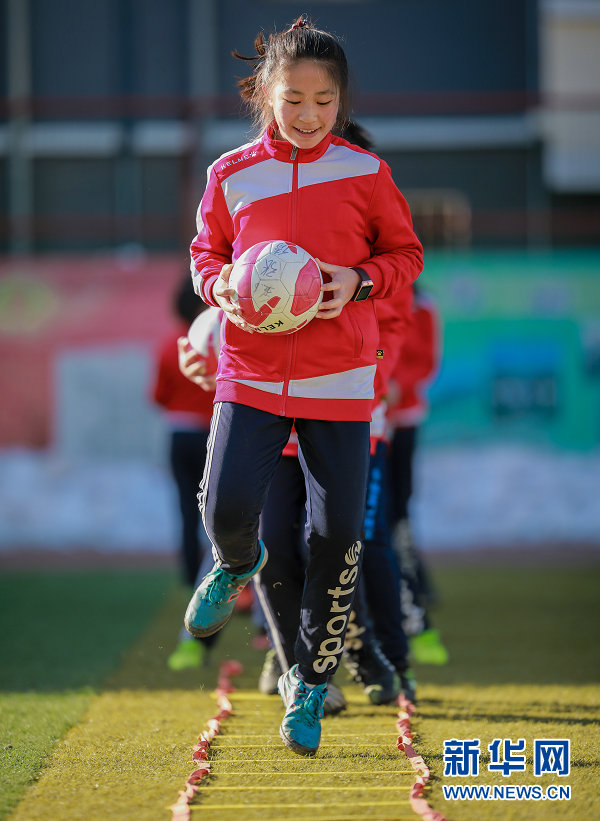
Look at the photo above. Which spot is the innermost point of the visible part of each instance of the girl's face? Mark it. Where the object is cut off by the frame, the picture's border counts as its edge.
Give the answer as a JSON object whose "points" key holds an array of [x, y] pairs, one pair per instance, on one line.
{"points": [[305, 103]]}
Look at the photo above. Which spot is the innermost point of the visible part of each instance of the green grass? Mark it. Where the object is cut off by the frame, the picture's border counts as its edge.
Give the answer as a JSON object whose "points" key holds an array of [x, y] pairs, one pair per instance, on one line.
{"points": [[524, 664], [66, 630], [61, 634], [521, 624], [30, 725]]}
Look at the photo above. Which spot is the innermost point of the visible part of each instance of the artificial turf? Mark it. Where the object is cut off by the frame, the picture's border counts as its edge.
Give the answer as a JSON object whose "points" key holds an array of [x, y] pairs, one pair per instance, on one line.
{"points": [[522, 641]]}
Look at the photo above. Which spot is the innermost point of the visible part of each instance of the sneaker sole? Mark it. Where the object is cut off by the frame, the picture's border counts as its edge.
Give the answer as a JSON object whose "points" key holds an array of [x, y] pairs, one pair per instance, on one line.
{"points": [[176, 666], [200, 633], [439, 659], [294, 746]]}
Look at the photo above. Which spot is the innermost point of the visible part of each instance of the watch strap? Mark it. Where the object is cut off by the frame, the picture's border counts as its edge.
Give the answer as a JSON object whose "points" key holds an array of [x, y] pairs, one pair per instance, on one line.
{"points": [[364, 279]]}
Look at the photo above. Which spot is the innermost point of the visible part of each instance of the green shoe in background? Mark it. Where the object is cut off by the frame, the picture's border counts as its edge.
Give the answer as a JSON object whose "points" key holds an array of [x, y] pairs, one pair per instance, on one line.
{"points": [[189, 653], [427, 648]]}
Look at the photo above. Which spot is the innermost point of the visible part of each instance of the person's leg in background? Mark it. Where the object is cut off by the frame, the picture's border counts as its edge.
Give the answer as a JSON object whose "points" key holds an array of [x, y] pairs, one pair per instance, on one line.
{"points": [[381, 575], [187, 458], [416, 589]]}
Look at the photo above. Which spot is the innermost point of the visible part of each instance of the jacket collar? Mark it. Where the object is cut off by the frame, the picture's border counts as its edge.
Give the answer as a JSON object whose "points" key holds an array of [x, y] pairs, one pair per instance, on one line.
{"points": [[282, 149]]}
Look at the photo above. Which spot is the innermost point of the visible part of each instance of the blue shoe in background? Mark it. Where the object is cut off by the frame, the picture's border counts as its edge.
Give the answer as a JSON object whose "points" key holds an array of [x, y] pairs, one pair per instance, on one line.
{"points": [[301, 725], [214, 599]]}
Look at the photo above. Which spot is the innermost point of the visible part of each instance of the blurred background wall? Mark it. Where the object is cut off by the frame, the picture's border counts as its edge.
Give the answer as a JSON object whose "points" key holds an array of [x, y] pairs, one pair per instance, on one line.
{"points": [[487, 112]]}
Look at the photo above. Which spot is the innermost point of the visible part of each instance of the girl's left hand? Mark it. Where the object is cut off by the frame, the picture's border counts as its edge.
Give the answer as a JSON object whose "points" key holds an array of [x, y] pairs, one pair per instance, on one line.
{"points": [[344, 282]]}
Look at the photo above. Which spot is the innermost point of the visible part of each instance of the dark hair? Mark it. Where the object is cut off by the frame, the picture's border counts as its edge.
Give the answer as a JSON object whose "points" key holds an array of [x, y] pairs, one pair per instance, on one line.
{"points": [[300, 42], [186, 302], [356, 134]]}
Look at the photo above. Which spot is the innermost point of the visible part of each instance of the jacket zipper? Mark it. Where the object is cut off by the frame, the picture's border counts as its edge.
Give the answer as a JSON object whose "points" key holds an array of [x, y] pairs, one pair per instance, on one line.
{"points": [[293, 158], [294, 211]]}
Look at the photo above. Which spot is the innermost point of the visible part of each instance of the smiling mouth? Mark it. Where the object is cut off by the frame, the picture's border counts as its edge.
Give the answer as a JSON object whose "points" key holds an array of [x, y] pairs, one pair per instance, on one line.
{"points": [[307, 132]]}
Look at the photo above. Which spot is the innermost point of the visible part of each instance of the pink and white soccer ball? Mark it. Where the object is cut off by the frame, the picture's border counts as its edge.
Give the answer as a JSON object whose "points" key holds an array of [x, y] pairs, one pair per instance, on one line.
{"points": [[204, 335], [278, 286]]}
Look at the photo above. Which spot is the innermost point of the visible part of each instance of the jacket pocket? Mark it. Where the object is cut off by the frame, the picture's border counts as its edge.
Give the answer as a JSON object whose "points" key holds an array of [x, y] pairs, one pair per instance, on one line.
{"points": [[357, 334]]}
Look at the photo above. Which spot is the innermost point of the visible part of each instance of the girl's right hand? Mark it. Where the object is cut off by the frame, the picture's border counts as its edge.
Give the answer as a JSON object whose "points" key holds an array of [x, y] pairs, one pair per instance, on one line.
{"points": [[222, 294]]}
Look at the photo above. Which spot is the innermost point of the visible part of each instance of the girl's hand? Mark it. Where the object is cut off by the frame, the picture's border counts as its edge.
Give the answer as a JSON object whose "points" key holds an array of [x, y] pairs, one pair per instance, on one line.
{"points": [[344, 282], [192, 366], [222, 294]]}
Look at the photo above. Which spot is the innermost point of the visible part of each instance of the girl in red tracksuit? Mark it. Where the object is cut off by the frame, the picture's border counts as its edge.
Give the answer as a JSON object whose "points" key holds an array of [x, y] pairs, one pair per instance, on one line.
{"points": [[417, 366], [187, 411], [300, 183]]}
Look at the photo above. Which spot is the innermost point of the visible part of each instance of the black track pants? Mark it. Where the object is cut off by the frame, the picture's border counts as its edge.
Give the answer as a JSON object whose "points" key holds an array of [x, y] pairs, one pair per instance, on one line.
{"points": [[244, 448]]}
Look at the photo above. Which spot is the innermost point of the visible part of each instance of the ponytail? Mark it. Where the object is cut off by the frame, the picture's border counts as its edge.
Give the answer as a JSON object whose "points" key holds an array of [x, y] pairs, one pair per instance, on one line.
{"points": [[248, 85]]}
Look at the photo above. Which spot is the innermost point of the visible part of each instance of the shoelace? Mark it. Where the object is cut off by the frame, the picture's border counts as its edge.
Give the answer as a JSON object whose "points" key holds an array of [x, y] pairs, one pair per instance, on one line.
{"points": [[218, 585], [310, 701]]}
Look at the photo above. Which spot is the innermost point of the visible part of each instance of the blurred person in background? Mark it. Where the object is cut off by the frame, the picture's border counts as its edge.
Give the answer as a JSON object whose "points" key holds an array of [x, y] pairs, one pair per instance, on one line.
{"points": [[376, 652], [416, 367], [187, 409]]}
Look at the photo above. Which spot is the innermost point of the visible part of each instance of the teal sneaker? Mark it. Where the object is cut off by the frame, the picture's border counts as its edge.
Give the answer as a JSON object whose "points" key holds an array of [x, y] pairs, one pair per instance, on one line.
{"points": [[212, 604], [301, 726]]}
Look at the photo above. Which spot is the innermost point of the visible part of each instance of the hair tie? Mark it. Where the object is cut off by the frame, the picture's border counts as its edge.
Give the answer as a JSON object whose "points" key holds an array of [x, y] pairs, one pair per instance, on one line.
{"points": [[299, 24]]}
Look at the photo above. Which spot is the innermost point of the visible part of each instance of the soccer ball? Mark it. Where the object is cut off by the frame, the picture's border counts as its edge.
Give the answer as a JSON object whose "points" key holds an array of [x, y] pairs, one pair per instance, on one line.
{"points": [[204, 335], [277, 286]]}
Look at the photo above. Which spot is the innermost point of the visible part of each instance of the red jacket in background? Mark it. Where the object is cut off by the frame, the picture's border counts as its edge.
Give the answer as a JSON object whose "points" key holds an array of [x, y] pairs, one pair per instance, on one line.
{"points": [[416, 366], [186, 404], [394, 316]]}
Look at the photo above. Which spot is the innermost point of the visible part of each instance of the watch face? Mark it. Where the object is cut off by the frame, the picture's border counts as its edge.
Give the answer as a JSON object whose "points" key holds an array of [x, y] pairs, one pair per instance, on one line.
{"points": [[363, 293]]}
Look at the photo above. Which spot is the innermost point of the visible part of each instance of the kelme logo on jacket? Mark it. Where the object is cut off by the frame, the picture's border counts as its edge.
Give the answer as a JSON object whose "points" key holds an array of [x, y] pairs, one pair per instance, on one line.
{"points": [[237, 160]]}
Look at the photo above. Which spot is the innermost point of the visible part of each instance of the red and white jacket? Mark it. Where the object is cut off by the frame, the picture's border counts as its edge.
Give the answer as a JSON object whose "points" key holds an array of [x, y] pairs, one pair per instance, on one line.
{"points": [[339, 203], [393, 319]]}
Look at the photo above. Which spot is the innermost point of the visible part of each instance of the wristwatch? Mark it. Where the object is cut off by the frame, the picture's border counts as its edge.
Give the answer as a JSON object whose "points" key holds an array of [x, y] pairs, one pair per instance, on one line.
{"points": [[364, 287]]}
